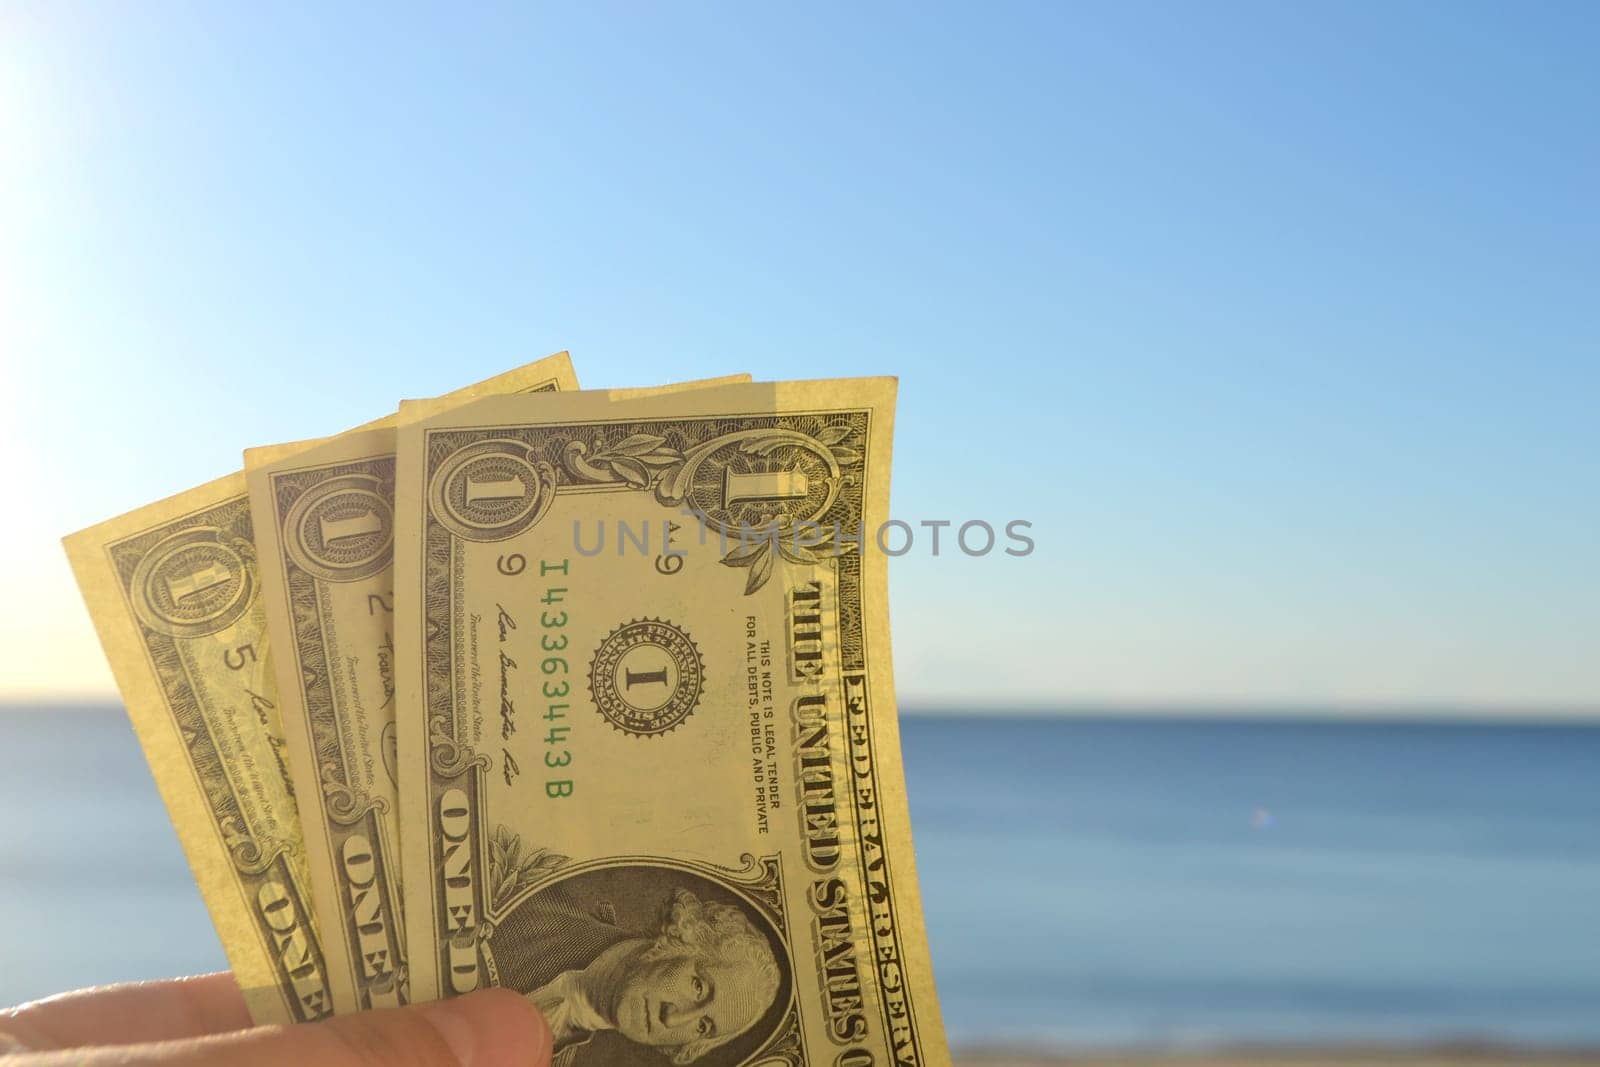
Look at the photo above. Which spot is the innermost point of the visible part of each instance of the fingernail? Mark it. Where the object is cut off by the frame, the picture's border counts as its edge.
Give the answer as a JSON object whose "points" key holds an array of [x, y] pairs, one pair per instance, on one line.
{"points": [[491, 1028]]}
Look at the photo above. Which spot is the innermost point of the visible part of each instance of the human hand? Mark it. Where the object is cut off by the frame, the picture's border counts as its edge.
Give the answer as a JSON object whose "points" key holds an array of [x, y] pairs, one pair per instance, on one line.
{"points": [[187, 1022]]}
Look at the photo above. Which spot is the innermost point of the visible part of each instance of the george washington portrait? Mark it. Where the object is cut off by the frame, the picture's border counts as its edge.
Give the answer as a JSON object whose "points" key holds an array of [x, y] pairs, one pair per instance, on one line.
{"points": [[645, 965]]}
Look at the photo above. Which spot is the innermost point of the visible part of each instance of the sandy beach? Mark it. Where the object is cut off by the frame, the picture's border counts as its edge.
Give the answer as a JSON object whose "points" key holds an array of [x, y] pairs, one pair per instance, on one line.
{"points": [[1443, 1057]]}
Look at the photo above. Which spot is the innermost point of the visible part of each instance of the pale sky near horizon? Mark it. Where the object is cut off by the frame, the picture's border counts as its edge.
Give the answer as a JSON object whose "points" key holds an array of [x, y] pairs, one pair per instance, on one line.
{"points": [[1278, 322]]}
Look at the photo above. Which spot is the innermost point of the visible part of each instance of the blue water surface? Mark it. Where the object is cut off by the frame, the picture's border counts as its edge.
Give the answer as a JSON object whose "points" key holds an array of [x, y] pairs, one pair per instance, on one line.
{"points": [[1086, 882], [1185, 883]]}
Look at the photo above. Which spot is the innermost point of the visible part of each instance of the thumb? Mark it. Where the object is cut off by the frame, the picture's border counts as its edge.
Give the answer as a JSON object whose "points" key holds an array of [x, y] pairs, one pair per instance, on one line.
{"points": [[489, 1028]]}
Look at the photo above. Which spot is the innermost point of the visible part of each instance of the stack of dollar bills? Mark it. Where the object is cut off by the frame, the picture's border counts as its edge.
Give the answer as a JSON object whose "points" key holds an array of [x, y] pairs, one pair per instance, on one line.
{"points": [[582, 693]]}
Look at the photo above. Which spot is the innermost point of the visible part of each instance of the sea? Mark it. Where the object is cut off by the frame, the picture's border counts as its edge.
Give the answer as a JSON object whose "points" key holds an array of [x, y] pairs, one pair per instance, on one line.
{"points": [[1088, 883]]}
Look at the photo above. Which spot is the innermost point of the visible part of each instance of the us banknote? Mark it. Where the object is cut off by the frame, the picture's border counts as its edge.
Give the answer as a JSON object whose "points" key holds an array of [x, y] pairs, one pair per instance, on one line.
{"points": [[648, 752], [175, 594], [325, 528], [324, 523]]}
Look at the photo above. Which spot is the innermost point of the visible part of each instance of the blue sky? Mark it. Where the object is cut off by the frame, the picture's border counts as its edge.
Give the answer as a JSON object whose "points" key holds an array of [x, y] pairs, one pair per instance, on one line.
{"points": [[1277, 321]]}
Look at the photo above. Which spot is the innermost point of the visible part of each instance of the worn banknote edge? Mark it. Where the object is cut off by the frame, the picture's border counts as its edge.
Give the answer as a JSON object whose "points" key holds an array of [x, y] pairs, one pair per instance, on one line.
{"points": [[415, 410], [528, 378]]}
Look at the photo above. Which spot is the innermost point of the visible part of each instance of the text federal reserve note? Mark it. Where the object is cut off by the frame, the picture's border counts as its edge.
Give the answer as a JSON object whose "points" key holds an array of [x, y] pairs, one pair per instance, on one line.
{"points": [[324, 524], [649, 759], [175, 595]]}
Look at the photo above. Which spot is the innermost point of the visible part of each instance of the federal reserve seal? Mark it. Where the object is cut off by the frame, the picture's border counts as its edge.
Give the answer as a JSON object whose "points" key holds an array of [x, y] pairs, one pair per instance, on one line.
{"points": [[646, 677]]}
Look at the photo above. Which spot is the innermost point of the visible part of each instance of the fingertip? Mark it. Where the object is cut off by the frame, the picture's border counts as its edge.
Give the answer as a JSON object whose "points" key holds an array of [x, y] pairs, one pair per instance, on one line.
{"points": [[493, 1028]]}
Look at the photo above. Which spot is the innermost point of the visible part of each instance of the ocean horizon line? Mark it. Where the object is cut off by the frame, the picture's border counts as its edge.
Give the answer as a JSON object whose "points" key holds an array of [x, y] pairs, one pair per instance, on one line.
{"points": [[1154, 712]]}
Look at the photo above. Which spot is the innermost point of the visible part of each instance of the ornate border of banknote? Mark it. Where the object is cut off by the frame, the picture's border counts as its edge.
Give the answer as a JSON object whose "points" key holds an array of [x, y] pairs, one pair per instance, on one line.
{"points": [[430, 724]]}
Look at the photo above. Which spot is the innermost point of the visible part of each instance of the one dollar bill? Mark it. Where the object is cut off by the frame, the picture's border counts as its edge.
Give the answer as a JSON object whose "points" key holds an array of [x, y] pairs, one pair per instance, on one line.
{"points": [[176, 597], [324, 522], [648, 752]]}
